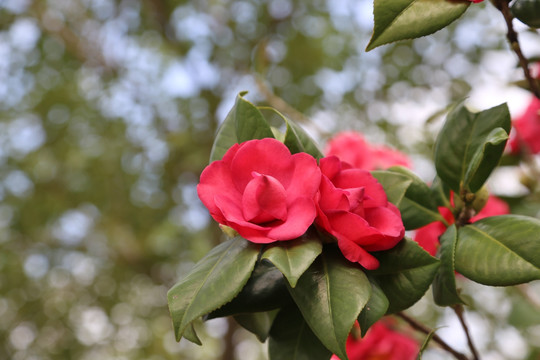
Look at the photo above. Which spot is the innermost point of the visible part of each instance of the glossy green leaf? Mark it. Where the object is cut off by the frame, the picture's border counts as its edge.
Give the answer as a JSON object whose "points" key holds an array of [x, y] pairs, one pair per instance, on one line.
{"points": [[250, 123], [191, 335], [294, 257], [225, 137], [375, 308], [265, 290], [444, 285], [395, 185], [500, 250], [405, 273], [215, 280], [418, 208], [408, 19], [330, 295], [295, 138], [244, 122], [292, 339], [440, 193], [258, 323], [470, 146]]}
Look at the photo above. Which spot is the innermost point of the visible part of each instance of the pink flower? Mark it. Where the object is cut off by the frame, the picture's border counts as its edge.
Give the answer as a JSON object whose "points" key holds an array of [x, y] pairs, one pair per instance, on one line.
{"points": [[381, 343], [262, 191], [352, 148], [527, 129], [428, 236], [354, 209]]}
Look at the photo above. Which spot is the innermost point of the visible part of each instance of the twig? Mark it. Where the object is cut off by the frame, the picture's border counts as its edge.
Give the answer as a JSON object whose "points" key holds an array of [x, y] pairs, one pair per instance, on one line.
{"points": [[278, 102], [458, 309], [512, 37], [422, 328]]}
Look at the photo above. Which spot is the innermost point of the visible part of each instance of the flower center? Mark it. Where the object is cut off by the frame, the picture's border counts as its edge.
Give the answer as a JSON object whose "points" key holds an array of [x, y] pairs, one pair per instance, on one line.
{"points": [[264, 199]]}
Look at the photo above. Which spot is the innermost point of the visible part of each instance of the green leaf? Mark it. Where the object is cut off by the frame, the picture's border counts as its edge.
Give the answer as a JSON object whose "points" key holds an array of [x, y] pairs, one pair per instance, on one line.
{"points": [[330, 295], [489, 153], [404, 274], [215, 280], [250, 123], [294, 257], [444, 286], [418, 208], [292, 339], [265, 290], [395, 185], [191, 335], [295, 138], [375, 308], [258, 323], [244, 122], [408, 19], [440, 193], [225, 137], [470, 146], [500, 250]]}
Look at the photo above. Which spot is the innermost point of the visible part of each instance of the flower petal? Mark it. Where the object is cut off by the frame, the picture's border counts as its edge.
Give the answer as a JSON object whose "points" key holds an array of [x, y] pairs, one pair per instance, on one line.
{"points": [[264, 200], [266, 156]]}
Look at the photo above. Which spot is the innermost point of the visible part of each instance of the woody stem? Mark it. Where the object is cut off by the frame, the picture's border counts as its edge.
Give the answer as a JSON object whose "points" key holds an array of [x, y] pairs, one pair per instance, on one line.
{"points": [[511, 35], [424, 329]]}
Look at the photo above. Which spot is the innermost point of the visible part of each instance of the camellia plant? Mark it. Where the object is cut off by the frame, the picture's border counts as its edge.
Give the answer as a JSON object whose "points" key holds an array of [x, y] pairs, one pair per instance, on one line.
{"points": [[317, 252]]}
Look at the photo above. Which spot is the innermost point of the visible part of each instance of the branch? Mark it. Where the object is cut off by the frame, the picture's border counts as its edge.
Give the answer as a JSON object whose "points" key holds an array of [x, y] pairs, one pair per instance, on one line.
{"points": [[512, 37], [459, 312], [423, 329]]}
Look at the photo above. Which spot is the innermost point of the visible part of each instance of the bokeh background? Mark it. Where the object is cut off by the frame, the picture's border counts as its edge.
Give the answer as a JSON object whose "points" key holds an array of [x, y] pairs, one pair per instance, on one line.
{"points": [[107, 115]]}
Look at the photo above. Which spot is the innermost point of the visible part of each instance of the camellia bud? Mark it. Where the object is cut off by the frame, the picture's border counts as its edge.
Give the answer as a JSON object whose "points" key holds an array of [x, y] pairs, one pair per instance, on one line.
{"points": [[480, 199], [477, 200]]}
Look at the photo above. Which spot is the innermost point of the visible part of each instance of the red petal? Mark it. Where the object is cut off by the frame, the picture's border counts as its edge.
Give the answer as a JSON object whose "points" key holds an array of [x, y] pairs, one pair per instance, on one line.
{"points": [[264, 200]]}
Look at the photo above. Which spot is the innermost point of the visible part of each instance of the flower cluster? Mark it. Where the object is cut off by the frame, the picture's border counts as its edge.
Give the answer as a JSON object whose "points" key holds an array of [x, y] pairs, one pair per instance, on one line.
{"points": [[267, 194]]}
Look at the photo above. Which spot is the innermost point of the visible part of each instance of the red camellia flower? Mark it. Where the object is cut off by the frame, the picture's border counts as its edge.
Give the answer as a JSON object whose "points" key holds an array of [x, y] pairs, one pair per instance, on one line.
{"points": [[354, 149], [381, 343], [428, 236], [527, 129], [353, 208], [262, 191]]}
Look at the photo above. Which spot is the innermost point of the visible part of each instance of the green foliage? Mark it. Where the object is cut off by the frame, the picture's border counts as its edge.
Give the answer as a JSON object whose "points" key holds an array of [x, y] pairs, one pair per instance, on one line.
{"points": [[264, 291], [417, 207], [444, 285], [291, 338], [405, 273], [499, 250], [340, 290], [527, 11], [409, 19], [295, 138], [258, 323], [294, 257], [470, 146], [213, 282], [375, 308], [395, 185], [244, 122]]}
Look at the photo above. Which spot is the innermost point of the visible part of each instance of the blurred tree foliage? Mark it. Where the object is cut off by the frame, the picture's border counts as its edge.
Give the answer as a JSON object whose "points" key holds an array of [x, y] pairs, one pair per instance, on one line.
{"points": [[108, 110]]}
